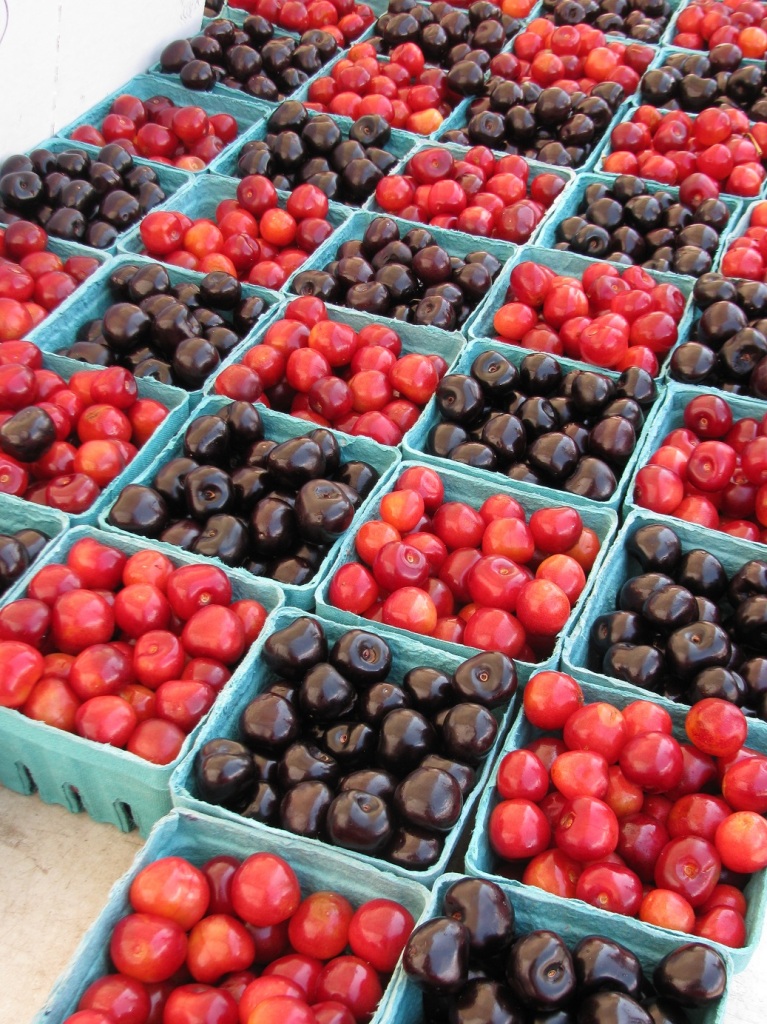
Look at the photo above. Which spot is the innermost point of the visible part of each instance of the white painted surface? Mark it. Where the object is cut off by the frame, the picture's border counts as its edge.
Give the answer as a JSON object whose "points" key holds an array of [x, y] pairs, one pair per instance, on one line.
{"points": [[59, 57], [56, 870]]}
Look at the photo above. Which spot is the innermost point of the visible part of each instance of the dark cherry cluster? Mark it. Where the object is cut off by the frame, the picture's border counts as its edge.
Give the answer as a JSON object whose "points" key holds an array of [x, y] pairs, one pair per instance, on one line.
{"points": [[473, 967], [250, 58], [317, 151], [462, 41], [409, 277], [694, 81], [630, 224], [548, 124], [273, 508], [176, 334], [336, 750], [643, 20], [683, 629], [731, 347], [78, 197], [574, 431], [17, 552]]}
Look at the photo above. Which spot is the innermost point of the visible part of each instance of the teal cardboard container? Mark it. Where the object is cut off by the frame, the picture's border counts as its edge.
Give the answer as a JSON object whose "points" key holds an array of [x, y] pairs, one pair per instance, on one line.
{"points": [[575, 203], [224, 720], [620, 566], [569, 264], [400, 145], [199, 199], [456, 243], [177, 404], [534, 909], [736, 228], [552, 215], [108, 783], [198, 839], [143, 87], [17, 514], [278, 427], [481, 861], [415, 441], [464, 485], [93, 299]]}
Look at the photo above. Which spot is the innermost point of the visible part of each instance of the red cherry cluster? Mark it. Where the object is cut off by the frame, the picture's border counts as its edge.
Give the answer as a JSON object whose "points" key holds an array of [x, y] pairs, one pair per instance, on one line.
{"points": [[157, 129], [403, 90], [746, 256], [135, 649], [712, 471], [344, 19], [61, 443], [253, 237], [236, 943], [356, 381], [487, 577], [708, 23], [33, 282], [716, 151], [481, 195], [617, 812], [606, 318], [576, 58]]}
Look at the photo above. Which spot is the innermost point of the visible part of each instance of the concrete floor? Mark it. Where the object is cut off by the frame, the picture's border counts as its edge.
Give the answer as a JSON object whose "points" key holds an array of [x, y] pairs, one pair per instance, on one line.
{"points": [[56, 870]]}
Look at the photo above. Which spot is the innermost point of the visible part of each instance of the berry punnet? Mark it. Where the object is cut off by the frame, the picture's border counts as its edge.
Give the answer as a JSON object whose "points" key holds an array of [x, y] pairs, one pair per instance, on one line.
{"points": [[708, 24], [694, 81], [345, 19]]}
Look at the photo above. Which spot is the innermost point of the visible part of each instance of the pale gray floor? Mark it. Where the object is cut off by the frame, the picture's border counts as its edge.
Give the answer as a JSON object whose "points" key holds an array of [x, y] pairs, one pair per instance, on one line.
{"points": [[56, 870]]}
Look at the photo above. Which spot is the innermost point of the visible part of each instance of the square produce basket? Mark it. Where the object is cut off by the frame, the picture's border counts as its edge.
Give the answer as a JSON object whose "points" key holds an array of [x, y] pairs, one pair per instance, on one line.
{"points": [[198, 839], [95, 297], [481, 861], [143, 87], [464, 485], [109, 784], [415, 441], [199, 199], [17, 514], [453, 242], [278, 427], [568, 264], [224, 720], [533, 909]]}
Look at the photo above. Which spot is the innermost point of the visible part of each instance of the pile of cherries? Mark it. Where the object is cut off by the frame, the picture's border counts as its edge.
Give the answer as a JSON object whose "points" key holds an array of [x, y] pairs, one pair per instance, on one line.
{"points": [[250, 58], [574, 431], [717, 151], [315, 150], [33, 280], [489, 578], [474, 965], [345, 19], [683, 628], [402, 89], [630, 223], [616, 811], [611, 318], [642, 20], [409, 277], [17, 552], [746, 255], [236, 941], [318, 369], [333, 749], [62, 442], [273, 508], [694, 81], [705, 24], [731, 335], [712, 471], [78, 197], [176, 334], [480, 195], [255, 236], [157, 129], [129, 651]]}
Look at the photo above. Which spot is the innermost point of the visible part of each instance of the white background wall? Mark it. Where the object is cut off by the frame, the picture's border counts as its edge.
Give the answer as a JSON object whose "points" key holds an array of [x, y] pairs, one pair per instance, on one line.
{"points": [[59, 57]]}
